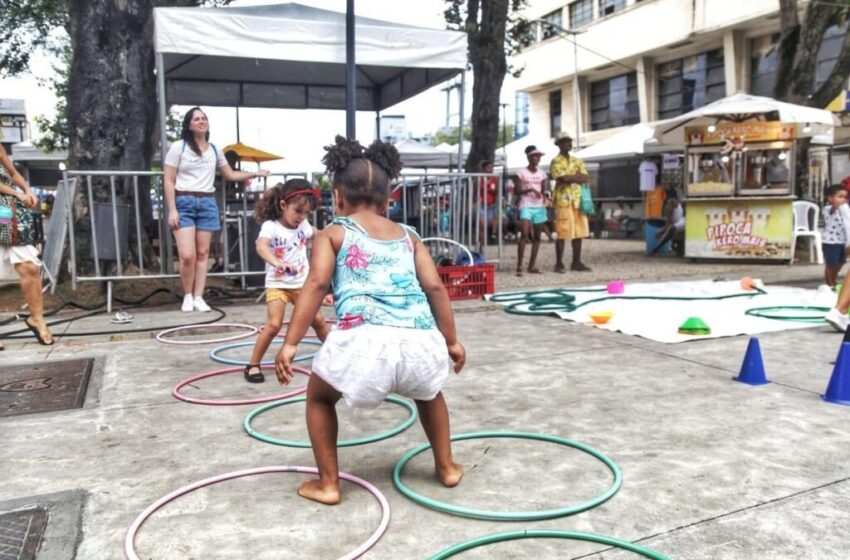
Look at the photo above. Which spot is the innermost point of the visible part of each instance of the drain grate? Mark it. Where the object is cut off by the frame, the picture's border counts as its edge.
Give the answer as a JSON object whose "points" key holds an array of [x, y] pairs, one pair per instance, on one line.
{"points": [[43, 386], [21, 532]]}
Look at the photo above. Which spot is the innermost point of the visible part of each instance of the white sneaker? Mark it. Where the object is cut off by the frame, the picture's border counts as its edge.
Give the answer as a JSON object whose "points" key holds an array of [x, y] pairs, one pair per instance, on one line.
{"points": [[188, 304], [201, 305], [838, 320]]}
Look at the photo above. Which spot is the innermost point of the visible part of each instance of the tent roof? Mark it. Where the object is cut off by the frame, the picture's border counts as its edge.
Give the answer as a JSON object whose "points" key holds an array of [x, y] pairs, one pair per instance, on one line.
{"points": [[25, 152], [634, 141], [417, 154], [292, 56], [819, 122]]}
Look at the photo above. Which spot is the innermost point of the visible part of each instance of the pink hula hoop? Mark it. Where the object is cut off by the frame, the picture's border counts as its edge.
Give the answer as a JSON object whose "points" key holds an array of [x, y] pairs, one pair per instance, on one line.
{"points": [[129, 540], [251, 332], [175, 392], [282, 334]]}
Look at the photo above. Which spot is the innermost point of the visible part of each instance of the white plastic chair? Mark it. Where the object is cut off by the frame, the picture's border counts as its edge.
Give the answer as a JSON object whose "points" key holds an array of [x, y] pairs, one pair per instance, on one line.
{"points": [[804, 227]]}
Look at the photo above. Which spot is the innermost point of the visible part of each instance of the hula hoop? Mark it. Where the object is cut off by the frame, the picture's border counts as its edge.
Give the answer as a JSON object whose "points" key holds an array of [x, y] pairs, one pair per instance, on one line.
{"points": [[262, 327], [765, 313], [542, 302], [548, 534], [175, 392], [215, 351], [509, 516], [251, 331], [347, 443], [453, 242], [129, 541]]}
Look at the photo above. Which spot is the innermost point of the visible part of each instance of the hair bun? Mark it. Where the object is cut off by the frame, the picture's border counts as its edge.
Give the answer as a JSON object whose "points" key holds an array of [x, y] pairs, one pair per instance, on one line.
{"points": [[386, 155], [339, 154]]}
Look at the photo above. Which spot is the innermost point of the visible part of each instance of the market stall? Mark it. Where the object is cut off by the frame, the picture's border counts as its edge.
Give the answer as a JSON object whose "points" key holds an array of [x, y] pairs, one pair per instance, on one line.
{"points": [[739, 174]]}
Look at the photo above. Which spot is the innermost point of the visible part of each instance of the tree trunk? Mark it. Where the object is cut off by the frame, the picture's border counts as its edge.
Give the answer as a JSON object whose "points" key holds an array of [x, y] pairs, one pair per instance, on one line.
{"points": [[112, 105], [487, 56]]}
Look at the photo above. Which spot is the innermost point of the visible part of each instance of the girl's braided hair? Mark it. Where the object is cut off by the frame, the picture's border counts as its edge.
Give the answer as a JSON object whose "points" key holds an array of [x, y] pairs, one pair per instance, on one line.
{"points": [[268, 207], [363, 176]]}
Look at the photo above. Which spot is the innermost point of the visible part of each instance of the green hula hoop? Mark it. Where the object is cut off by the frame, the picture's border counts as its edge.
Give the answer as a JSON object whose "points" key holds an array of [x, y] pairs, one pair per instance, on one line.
{"points": [[766, 313], [541, 302], [548, 534], [306, 444], [509, 516]]}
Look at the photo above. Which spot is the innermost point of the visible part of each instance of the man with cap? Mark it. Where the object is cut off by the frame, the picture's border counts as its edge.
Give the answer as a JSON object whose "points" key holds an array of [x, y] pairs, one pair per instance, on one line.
{"points": [[531, 182], [568, 173]]}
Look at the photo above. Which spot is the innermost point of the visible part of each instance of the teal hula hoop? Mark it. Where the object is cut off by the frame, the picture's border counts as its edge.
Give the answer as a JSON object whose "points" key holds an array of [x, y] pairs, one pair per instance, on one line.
{"points": [[767, 313], [348, 443], [547, 534], [509, 516], [214, 353]]}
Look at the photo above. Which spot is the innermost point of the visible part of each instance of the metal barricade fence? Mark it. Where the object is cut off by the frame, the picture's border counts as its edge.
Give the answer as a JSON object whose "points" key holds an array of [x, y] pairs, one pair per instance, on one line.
{"points": [[444, 205]]}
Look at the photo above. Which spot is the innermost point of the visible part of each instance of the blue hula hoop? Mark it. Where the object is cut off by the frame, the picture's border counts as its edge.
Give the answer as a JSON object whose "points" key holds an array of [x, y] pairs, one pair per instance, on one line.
{"points": [[214, 353]]}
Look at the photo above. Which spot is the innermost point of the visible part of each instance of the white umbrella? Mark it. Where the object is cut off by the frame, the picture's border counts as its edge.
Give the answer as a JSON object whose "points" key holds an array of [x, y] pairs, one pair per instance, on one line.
{"points": [[818, 124]]}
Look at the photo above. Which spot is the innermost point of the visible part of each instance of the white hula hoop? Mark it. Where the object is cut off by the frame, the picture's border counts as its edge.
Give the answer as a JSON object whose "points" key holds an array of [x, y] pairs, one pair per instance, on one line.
{"points": [[444, 240]]}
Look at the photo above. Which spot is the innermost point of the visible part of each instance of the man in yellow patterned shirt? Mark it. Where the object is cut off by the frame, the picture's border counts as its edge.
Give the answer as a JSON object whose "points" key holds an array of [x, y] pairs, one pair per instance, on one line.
{"points": [[568, 173]]}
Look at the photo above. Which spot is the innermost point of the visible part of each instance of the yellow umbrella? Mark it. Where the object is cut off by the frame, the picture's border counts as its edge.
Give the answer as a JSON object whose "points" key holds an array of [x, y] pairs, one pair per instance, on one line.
{"points": [[247, 153]]}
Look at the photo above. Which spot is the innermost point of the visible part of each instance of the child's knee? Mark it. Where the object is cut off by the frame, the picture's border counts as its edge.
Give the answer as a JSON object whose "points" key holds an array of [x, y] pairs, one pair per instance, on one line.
{"points": [[274, 325]]}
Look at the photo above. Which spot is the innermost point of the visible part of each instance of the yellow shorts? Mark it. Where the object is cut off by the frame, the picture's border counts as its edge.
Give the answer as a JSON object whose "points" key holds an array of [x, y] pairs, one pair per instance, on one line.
{"points": [[284, 295], [571, 224]]}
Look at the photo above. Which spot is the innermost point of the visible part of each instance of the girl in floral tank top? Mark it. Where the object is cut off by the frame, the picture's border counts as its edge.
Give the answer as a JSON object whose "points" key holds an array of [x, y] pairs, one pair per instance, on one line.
{"points": [[395, 330]]}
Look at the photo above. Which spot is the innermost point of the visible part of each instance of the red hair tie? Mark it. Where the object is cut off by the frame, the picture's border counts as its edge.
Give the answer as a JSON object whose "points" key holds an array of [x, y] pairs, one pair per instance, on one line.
{"points": [[315, 192]]}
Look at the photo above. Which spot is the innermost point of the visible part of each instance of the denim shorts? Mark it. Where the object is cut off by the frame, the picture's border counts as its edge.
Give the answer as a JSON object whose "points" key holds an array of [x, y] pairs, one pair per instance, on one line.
{"points": [[199, 212], [489, 215], [833, 254], [535, 214]]}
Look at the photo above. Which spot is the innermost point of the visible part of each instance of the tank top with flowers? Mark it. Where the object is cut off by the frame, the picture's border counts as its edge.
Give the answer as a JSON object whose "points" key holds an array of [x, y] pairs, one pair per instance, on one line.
{"points": [[375, 281]]}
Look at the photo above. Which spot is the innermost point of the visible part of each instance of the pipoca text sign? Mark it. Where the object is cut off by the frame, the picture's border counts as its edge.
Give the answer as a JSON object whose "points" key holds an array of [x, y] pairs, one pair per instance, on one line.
{"points": [[739, 229]]}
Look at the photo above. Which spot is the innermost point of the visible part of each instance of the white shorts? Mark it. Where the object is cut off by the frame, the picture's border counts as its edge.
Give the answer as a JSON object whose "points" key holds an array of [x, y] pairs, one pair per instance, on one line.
{"points": [[369, 362], [10, 256]]}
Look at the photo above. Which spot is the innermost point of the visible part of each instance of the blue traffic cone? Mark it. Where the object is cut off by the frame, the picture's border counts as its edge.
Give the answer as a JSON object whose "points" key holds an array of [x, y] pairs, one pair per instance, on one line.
{"points": [[838, 390], [752, 370]]}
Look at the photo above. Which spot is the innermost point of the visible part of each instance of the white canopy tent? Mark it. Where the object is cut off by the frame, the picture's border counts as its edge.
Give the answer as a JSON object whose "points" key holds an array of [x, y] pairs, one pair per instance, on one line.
{"points": [[634, 141], [418, 155], [292, 56], [818, 124]]}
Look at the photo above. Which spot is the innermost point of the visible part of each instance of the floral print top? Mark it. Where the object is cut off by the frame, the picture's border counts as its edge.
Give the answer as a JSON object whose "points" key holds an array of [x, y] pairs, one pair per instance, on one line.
{"points": [[375, 281]]}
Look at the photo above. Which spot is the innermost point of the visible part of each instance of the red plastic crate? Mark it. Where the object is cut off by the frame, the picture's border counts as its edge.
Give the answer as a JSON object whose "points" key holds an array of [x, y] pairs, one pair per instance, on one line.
{"points": [[468, 282]]}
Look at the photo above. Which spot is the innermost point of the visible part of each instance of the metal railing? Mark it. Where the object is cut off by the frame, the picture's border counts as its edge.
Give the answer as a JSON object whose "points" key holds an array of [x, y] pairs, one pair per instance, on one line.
{"points": [[446, 205]]}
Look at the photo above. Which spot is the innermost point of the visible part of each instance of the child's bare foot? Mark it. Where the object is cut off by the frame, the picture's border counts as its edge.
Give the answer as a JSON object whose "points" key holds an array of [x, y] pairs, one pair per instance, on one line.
{"points": [[450, 476], [314, 490]]}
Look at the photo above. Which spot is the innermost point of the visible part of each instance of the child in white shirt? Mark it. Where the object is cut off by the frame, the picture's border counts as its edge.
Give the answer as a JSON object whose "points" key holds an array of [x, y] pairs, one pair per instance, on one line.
{"points": [[282, 243]]}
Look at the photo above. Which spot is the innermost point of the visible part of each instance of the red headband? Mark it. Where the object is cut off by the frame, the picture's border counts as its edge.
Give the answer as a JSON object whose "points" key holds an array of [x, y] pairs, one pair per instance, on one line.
{"points": [[315, 192]]}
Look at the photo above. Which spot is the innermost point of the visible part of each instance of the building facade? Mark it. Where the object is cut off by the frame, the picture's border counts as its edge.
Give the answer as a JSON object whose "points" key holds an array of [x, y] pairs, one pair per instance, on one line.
{"points": [[645, 60]]}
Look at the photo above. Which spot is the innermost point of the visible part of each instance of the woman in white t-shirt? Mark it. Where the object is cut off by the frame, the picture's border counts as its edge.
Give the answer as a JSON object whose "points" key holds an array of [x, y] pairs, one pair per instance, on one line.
{"points": [[282, 243], [193, 214]]}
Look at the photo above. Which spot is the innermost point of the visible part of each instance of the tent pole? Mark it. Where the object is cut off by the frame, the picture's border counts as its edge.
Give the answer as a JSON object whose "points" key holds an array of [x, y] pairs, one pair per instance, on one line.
{"points": [[237, 124], [350, 72], [378, 125], [165, 236], [460, 121]]}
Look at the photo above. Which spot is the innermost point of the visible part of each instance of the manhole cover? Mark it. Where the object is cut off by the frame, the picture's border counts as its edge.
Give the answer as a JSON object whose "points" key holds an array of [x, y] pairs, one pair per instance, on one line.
{"points": [[20, 533], [43, 386]]}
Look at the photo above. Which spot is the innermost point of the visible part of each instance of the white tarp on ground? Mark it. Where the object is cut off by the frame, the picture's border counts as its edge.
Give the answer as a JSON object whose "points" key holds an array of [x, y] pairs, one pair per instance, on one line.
{"points": [[819, 124], [293, 56], [660, 320]]}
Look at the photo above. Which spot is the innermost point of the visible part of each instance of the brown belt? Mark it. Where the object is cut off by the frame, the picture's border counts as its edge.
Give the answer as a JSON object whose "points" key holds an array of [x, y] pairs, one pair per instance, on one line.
{"points": [[194, 193]]}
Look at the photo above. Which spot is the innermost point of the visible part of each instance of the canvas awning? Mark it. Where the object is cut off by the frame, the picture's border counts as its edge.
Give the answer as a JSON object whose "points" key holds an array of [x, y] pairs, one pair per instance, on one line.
{"points": [[292, 56]]}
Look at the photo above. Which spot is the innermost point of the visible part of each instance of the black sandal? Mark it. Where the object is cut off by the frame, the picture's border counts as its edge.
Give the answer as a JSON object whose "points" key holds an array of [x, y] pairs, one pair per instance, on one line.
{"points": [[254, 377]]}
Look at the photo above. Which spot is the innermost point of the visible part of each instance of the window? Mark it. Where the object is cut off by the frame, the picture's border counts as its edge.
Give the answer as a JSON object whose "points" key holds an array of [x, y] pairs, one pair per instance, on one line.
{"points": [[608, 7], [547, 31], [689, 83], [554, 112], [581, 13], [521, 115], [765, 60], [614, 102]]}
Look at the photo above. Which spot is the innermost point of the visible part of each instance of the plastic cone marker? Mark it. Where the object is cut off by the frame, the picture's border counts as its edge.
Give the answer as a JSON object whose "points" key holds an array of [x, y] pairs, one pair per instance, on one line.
{"points": [[838, 390], [694, 325], [752, 370]]}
